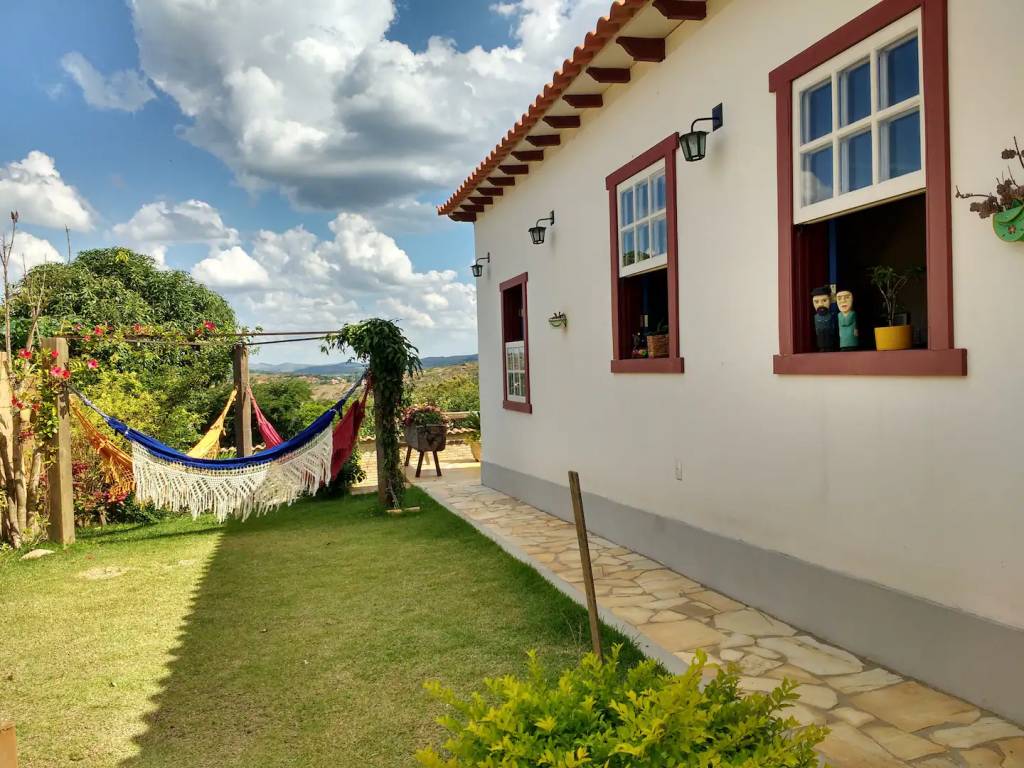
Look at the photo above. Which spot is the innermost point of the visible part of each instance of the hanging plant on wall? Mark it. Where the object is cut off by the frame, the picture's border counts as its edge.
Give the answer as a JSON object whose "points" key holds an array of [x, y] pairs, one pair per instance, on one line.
{"points": [[1006, 205]]}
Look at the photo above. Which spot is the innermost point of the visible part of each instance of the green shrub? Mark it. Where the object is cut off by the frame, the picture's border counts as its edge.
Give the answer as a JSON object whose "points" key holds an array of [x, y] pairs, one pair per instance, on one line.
{"points": [[598, 715]]}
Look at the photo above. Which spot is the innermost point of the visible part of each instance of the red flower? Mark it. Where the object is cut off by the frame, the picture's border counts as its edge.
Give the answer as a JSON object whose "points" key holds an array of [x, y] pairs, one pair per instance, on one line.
{"points": [[98, 330], [36, 406], [65, 374], [209, 326], [91, 363], [16, 403], [137, 328], [25, 434], [53, 354], [26, 354]]}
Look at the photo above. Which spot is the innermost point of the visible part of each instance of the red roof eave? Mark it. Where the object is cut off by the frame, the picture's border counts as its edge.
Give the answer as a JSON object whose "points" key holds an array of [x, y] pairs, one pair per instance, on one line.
{"points": [[607, 27]]}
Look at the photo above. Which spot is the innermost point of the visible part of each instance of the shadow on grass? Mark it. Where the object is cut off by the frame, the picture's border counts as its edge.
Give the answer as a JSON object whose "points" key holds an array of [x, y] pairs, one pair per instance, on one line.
{"points": [[314, 628]]}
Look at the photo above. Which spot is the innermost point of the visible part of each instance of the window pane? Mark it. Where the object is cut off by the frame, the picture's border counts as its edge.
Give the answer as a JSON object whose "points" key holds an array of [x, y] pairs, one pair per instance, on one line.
{"points": [[628, 248], [659, 246], [643, 242], [855, 94], [659, 192], [626, 212], [816, 112], [898, 73], [817, 176], [901, 145], [856, 161], [643, 201]]}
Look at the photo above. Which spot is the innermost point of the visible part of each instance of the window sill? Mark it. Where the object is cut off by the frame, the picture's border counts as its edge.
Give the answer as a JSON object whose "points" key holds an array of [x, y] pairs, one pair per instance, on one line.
{"points": [[648, 365], [512, 405], [909, 362]]}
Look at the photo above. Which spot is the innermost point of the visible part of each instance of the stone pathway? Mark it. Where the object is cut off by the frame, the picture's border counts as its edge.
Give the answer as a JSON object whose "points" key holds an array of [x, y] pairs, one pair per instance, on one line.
{"points": [[878, 719]]}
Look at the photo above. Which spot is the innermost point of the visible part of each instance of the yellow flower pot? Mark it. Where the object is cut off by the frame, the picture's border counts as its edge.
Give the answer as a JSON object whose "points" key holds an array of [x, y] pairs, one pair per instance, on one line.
{"points": [[894, 337], [475, 449]]}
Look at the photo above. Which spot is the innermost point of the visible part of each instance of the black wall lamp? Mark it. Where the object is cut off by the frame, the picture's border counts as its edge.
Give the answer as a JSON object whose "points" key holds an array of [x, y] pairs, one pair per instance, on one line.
{"points": [[694, 144], [558, 320], [478, 268], [537, 231]]}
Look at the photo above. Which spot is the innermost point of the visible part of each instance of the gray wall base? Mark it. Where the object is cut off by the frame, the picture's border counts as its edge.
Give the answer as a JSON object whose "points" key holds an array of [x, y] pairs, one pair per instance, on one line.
{"points": [[968, 656]]}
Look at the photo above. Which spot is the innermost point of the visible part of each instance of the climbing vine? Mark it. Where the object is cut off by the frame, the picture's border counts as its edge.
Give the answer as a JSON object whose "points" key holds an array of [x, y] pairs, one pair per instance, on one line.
{"points": [[390, 358]]}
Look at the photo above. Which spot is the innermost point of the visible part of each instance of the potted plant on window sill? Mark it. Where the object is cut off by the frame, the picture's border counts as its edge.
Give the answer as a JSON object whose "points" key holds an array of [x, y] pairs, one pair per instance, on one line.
{"points": [[473, 438], [889, 282], [426, 429], [657, 342]]}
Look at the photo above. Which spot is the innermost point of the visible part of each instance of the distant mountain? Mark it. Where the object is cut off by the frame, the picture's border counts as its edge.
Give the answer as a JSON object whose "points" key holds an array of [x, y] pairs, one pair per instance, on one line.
{"points": [[348, 369]]}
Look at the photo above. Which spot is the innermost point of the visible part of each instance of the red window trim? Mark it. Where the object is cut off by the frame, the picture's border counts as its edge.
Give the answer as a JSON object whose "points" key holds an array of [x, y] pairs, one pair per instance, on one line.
{"points": [[666, 150], [941, 358], [512, 405]]}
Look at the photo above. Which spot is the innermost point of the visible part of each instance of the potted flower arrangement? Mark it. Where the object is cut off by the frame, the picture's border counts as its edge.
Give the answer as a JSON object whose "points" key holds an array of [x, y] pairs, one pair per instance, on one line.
{"points": [[426, 428], [1006, 205], [657, 342], [473, 422], [897, 332]]}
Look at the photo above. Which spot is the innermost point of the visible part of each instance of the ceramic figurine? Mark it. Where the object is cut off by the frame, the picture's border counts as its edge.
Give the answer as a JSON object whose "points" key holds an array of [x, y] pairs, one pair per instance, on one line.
{"points": [[849, 336], [825, 330]]}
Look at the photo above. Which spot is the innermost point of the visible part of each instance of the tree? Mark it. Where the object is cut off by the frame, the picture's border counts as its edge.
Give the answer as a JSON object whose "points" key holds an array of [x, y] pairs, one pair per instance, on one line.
{"points": [[390, 357]]}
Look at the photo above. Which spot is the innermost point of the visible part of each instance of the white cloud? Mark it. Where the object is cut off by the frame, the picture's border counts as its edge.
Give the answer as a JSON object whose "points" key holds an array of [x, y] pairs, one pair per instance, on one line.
{"points": [[34, 187], [231, 269], [313, 98], [293, 279], [30, 251], [126, 90], [163, 223]]}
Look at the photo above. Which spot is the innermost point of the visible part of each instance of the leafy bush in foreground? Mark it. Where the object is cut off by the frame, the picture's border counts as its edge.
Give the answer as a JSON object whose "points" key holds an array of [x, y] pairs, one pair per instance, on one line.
{"points": [[596, 715]]}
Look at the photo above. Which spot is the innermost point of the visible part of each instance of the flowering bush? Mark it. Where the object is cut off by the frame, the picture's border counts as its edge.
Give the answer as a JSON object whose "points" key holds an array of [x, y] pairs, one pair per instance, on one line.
{"points": [[598, 715], [422, 416]]}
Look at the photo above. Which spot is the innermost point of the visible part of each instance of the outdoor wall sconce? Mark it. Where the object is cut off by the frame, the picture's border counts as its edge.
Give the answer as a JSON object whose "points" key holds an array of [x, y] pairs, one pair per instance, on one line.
{"points": [[478, 268], [537, 231], [694, 144], [558, 320]]}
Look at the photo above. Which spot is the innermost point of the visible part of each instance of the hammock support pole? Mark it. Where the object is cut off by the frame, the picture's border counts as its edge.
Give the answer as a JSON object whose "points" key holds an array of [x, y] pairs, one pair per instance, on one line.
{"points": [[60, 490], [243, 423]]}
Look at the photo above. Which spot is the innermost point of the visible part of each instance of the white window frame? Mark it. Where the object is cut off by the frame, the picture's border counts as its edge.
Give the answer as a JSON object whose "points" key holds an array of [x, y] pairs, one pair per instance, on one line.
{"points": [[656, 261], [515, 371], [881, 188]]}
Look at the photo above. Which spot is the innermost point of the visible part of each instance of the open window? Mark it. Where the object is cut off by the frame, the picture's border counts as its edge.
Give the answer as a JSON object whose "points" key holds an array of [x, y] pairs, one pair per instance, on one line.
{"points": [[863, 159], [515, 346], [642, 214]]}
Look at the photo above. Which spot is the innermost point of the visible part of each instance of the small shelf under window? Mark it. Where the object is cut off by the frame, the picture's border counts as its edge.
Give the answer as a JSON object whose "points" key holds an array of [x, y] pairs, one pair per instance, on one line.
{"points": [[648, 365], [909, 362]]}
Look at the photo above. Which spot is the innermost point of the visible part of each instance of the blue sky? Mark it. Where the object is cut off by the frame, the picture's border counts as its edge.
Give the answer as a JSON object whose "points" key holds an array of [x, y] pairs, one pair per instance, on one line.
{"points": [[287, 154]]}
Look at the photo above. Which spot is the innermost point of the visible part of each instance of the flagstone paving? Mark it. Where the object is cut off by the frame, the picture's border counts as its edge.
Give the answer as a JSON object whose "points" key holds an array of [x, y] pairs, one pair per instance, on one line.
{"points": [[878, 719]]}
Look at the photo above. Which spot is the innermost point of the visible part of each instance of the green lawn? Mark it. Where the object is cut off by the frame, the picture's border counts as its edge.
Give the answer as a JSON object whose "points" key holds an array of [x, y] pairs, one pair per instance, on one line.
{"points": [[298, 639]]}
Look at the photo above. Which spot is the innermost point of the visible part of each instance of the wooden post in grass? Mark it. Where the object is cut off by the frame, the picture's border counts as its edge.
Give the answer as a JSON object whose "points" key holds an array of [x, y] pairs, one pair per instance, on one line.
{"points": [[59, 487], [243, 405], [588, 571], [8, 746]]}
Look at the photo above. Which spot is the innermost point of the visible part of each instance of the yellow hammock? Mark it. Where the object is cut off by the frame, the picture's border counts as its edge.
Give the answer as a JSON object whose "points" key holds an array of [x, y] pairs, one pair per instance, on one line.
{"points": [[117, 464]]}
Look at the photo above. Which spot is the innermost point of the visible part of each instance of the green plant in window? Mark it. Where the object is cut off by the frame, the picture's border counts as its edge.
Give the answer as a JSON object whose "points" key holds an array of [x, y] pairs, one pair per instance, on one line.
{"points": [[602, 716], [890, 282]]}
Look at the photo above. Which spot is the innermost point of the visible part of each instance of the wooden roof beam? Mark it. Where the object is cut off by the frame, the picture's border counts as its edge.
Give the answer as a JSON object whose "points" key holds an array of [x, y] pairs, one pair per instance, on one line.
{"points": [[528, 154], [472, 208], [583, 100], [643, 48], [491, 191], [514, 170], [563, 121], [462, 216], [545, 140], [682, 10], [502, 181], [609, 74], [481, 200]]}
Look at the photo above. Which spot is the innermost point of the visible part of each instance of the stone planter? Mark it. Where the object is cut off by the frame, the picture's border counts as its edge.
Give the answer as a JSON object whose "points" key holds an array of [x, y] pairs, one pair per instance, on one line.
{"points": [[428, 439]]}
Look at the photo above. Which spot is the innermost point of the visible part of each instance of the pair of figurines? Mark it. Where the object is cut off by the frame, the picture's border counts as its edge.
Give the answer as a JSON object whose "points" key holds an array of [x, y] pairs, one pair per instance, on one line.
{"points": [[834, 330]]}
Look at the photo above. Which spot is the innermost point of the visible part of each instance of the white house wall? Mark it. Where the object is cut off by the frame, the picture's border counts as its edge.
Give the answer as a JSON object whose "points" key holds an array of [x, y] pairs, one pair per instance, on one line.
{"points": [[914, 484]]}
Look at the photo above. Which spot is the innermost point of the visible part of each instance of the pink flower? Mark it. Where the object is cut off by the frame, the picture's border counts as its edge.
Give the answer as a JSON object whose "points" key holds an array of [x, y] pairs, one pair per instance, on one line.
{"points": [[92, 364], [210, 326], [53, 354], [26, 354], [57, 372]]}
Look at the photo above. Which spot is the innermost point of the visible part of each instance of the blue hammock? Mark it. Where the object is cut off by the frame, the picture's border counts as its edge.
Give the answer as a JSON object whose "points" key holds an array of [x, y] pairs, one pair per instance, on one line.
{"points": [[175, 481]]}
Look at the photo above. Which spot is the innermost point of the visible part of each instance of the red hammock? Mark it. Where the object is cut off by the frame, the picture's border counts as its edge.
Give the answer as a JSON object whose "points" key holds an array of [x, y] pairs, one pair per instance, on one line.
{"points": [[346, 431]]}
